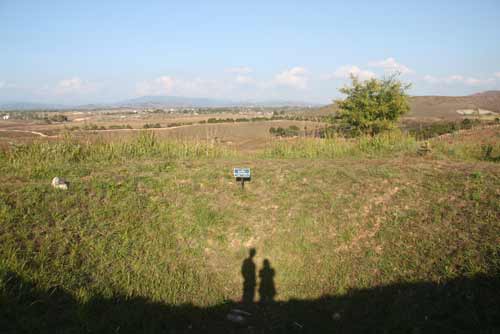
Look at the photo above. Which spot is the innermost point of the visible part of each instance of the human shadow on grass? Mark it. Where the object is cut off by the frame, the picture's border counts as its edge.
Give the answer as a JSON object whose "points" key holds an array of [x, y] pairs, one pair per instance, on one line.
{"points": [[267, 289], [462, 305], [248, 272]]}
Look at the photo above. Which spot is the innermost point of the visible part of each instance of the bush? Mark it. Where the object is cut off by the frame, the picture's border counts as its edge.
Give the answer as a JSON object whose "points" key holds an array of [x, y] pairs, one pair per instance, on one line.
{"points": [[426, 131], [487, 153], [469, 123], [120, 126], [374, 105], [93, 127], [151, 126], [58, 118], [430, 130], [174, 124], [291, 131]]}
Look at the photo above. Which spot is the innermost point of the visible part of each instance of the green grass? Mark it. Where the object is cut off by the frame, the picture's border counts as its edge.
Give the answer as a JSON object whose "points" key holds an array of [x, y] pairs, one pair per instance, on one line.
{"points": [[164, 223]]}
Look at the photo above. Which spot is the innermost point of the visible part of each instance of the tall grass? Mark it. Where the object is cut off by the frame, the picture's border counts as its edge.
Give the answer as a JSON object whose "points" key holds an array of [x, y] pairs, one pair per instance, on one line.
{"points": [[338, 147], [486, 150], [145, 145]]}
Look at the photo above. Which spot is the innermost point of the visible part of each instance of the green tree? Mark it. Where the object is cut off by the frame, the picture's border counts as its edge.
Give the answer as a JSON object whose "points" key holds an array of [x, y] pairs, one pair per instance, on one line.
{"points": [[373, 105]]}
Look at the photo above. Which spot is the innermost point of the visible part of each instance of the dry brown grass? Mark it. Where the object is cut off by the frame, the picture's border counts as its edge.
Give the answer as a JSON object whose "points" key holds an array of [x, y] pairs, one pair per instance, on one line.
{"points": [[246, 136]]}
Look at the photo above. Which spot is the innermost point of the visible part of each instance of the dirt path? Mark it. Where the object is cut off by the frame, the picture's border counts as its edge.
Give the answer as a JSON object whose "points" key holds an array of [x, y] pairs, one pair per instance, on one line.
{"points": [[28, 131], [99, 131]]}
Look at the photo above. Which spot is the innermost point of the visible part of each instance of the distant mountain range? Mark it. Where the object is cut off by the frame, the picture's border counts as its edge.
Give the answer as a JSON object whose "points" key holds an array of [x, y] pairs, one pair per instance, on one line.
{"points": [[178, 101], [29, 106], [158, 102], [421, 106]]}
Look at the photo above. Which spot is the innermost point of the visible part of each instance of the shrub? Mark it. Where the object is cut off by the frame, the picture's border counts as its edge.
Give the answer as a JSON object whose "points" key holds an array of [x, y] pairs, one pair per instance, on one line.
{"points": [[487, 153], [58, 118], [93, 127], [468, 123], [374, 105], [291, 131], [120, 126], [430, 130], [151, 125]]}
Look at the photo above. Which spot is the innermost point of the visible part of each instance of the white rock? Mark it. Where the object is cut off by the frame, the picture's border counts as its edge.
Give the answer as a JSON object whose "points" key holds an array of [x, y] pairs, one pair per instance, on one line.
{"points": [[59, 183]]}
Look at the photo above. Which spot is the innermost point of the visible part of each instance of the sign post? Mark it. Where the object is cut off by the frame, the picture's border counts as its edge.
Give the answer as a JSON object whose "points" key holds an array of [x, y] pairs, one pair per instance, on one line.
{"points": [[242, 175]]}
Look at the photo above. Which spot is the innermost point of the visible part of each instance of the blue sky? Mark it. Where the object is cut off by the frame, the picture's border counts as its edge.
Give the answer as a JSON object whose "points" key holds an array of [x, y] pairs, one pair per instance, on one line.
{"points": [[102, 51]]}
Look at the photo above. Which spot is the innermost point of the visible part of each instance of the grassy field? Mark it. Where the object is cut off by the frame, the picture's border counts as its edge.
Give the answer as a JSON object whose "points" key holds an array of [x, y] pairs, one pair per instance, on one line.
{"points": [[362, 235]]}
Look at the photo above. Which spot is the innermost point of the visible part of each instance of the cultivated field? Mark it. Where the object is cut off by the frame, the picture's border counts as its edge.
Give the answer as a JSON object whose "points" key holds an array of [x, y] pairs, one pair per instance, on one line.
{"points": [[250, 135]]}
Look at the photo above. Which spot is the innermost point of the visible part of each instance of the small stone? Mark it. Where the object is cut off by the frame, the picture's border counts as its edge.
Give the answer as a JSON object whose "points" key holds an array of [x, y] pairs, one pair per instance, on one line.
{"points": [[238, 316], [59, 183], [239, 319]]}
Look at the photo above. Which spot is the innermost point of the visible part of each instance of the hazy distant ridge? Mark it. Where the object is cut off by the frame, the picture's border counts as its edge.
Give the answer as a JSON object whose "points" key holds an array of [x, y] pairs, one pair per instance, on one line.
{"points": [[158, 102]]}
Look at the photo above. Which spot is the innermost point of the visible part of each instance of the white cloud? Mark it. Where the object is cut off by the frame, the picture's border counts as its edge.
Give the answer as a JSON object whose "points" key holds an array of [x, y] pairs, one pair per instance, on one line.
{"points": [[160, 86], [345, 72], [430, 78], [475, 81], [240, 70], [456, 79], [165, 82], [4, 84], [197, 87], [168, 85], [391, 65], [245, 80], [73, 85], [295, 77], [497, 74]]}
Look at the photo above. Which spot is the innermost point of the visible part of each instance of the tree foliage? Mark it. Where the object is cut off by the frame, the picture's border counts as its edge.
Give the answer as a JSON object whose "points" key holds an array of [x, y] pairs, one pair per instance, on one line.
{"points": [[374, 105]]}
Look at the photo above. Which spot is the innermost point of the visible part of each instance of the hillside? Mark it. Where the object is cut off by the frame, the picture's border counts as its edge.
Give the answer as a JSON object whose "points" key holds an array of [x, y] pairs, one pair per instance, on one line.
{"points": [[444, 107], [154, 236]]}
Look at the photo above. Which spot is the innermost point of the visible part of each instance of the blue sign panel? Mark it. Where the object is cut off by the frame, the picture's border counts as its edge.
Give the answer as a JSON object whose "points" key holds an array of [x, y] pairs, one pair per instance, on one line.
{"points": [[243, 173]]}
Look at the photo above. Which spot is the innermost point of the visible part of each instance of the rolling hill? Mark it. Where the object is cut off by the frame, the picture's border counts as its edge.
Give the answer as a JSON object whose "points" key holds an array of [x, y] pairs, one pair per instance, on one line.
{"points": [[444, 107]]}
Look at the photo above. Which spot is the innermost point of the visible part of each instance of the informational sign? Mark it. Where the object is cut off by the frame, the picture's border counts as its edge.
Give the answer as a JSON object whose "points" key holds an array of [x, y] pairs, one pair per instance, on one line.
{"points": [[241, 173]]}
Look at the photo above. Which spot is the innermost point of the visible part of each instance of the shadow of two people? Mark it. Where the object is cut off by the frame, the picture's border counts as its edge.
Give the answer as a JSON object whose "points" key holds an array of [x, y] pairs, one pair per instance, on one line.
{"points": [[465, 304], [267, 289]]}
